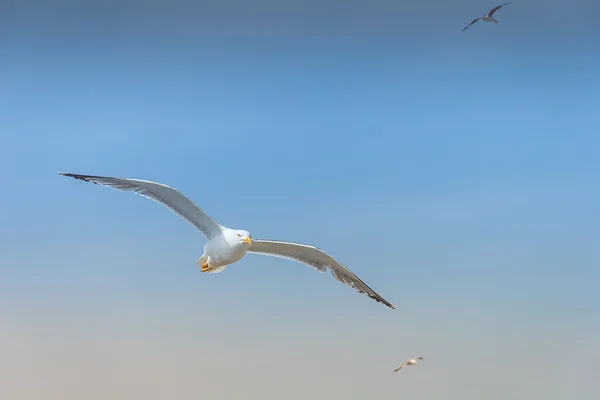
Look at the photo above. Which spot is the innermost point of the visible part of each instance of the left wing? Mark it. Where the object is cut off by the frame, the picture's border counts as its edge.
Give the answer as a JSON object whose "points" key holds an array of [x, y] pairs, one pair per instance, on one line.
{"points": [[493, 10], [315, 258]]}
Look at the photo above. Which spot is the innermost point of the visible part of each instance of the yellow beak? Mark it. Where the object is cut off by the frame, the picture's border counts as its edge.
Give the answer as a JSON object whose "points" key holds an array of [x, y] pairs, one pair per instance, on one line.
{"points": [[248, 240]]}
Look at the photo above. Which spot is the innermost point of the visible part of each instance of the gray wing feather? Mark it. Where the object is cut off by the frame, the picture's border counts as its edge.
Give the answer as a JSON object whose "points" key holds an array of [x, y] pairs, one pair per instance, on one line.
{"points": [[493, 10], [162, 194], [472, 22], [318, 259], [400, 367]]}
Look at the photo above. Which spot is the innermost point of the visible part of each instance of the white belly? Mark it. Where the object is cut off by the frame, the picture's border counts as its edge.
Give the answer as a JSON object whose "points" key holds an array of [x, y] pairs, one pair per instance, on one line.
{"points": [[220, 252]]}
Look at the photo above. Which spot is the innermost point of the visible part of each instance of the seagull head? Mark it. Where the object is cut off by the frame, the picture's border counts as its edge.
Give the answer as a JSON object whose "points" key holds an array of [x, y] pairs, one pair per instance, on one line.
{"points": [[243, 236]]}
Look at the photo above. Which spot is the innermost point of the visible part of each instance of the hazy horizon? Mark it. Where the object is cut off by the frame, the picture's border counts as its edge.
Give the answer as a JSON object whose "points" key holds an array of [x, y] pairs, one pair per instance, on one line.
{"points": [[456, 173]]}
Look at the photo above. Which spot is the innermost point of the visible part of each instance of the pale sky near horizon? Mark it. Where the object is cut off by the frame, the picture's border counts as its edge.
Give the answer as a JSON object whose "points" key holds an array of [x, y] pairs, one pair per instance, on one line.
{"points": [[457, 174]]}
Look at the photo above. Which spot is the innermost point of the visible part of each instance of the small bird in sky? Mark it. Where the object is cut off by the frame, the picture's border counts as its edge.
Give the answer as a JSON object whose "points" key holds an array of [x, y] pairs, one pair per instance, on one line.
{"points": [[489, 17], [412, 361]]}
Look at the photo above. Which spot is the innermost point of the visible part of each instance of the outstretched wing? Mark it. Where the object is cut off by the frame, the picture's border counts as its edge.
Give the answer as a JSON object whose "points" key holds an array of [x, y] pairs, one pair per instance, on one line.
{"points": [[493, 10], [400, 367], [315, 258], [160, 193], [472, 22]]}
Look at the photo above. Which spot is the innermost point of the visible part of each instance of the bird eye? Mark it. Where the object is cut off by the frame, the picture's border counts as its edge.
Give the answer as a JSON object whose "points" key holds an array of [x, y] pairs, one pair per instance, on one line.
{"points": [[239, 235]]}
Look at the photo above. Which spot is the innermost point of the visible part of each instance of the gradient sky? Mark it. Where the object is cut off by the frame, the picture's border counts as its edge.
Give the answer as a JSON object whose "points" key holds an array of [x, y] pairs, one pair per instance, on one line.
{"points": [[456, 173]]}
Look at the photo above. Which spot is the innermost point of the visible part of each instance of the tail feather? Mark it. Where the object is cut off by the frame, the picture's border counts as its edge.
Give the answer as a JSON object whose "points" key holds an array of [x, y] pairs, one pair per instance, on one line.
{"points": [[217, 270]]}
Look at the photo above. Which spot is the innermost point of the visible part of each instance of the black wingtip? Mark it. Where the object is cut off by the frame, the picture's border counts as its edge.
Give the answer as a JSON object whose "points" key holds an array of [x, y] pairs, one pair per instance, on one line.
{"points": [[84, 178], [383, 301]]}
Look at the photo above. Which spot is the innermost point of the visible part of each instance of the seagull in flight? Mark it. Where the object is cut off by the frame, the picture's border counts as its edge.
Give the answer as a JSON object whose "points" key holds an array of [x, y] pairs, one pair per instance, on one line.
{"points": [[412, 361], [489, 17], [226, 246]]}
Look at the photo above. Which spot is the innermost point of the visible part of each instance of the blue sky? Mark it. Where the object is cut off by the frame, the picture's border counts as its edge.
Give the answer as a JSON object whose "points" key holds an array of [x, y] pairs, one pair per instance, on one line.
{"points": [[455, 173]]}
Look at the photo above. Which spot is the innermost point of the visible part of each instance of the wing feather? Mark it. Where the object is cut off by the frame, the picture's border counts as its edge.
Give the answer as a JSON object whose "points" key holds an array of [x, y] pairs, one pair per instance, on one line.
{"points": [[493, 10], [472, 22], [163, 194], [400, 367], [316, 258]]}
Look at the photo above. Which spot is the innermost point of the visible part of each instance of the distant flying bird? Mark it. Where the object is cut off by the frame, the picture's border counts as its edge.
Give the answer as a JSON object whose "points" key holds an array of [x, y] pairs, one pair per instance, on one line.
{"points": [[487, 17], [412, 361], [226, 246]]}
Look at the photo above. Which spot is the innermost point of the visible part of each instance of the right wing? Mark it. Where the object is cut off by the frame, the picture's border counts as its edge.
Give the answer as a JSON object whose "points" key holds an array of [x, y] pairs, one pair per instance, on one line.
{"points": [[472, 22], [400, 367], [166, 195]]}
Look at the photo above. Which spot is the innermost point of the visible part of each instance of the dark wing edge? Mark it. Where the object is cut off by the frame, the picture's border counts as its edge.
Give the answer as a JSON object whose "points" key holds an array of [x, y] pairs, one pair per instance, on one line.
{"points": [[343, 275], [400, 367], [369, 292], [493, 10], [472, 22], [207, 225]]}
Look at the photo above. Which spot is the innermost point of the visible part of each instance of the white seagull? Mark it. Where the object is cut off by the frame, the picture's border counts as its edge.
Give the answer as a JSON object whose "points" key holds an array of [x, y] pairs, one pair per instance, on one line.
{"points": [[226, 246], [412, 361], [487, 17]]}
